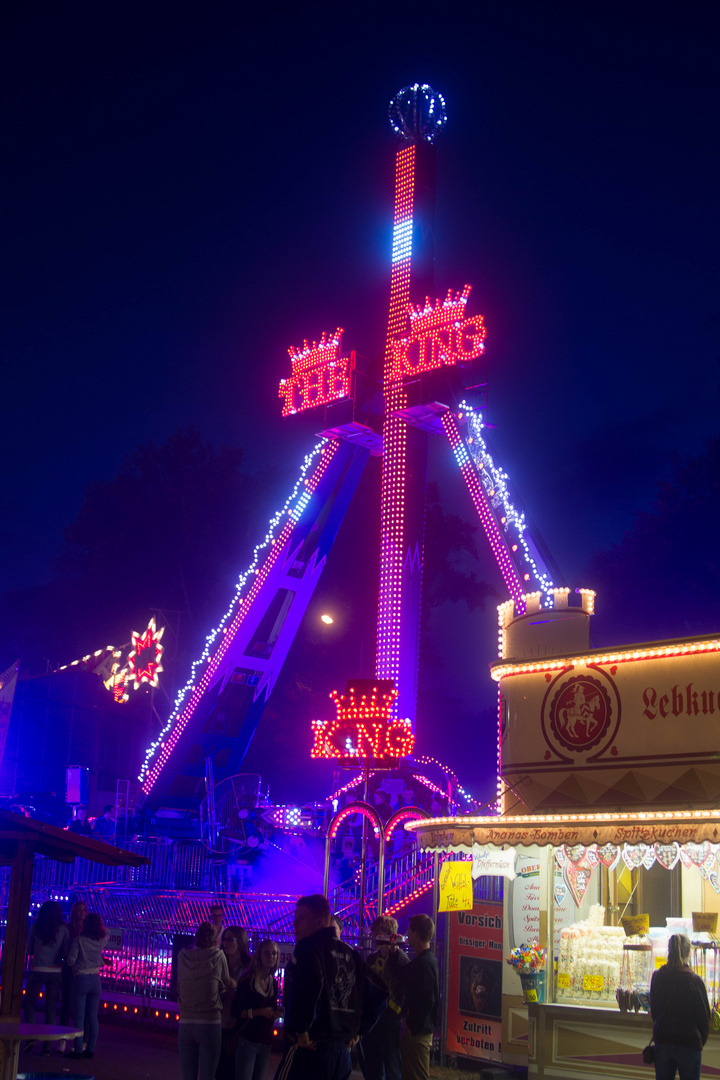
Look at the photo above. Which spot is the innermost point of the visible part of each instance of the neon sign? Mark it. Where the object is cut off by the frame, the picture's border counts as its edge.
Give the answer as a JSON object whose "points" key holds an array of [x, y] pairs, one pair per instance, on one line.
{"points": [[145, 660], [319, 375], [362, 729], [440, 336]]}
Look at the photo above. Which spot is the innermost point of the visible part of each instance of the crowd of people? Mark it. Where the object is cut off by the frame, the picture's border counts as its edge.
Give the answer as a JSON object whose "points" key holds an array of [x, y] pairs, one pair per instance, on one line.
{"points": [[333, 1000], [102, 828]]}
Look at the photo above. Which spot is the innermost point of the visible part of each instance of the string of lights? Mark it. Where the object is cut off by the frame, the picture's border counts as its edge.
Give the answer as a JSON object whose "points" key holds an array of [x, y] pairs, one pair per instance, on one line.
{"points": [[219, 639], [494, 481], [481, 501]]}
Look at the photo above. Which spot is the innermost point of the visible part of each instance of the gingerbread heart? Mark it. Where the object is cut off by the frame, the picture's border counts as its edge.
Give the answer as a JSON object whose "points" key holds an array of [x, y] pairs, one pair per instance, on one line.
{"points": [[697, 853], [714, 880], [667, 854], [591, 856], [578, 878], [632, 855], [648, 855], [609, 855]]}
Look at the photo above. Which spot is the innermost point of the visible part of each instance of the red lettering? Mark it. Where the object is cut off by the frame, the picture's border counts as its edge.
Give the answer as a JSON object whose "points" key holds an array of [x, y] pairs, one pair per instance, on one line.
{"points": [[692, 700], [650, 701], [369, 744], [399, 739], [708, 702], [664, 700], [677, 701]]}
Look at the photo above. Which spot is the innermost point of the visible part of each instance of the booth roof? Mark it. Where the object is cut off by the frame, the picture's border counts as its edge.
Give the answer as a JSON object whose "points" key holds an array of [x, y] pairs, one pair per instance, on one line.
{"points": [[641, 827], [60, 844]]}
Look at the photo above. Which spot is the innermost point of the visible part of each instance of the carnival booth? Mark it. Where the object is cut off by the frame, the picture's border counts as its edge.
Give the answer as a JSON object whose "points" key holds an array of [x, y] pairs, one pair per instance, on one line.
{"points": [[607, 841]]}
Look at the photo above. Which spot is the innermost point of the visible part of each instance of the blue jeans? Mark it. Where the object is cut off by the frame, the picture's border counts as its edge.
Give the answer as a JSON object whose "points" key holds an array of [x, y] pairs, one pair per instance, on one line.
{"points": [[36, 980], [670, 1056], [85, 1004], [199, 1046], [251, 1059]]}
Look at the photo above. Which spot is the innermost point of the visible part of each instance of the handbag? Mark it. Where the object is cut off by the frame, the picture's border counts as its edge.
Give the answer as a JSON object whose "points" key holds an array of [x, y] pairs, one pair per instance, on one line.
{"points": [[648, 1054]]}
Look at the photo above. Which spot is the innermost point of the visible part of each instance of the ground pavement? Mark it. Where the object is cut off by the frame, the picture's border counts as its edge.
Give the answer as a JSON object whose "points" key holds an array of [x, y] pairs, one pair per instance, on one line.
{"points": [[122, 1053]]}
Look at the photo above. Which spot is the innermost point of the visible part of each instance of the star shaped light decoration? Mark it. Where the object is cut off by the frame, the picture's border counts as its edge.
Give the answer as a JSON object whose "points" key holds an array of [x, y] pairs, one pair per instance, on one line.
{"points": [[145, 659]]}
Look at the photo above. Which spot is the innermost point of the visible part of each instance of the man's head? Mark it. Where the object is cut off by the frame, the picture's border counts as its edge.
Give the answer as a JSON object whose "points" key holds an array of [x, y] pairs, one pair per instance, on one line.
{"points": [[336, 923], [311, 914], [216, 914], [108, 810], [421, 930], [383, 926]]}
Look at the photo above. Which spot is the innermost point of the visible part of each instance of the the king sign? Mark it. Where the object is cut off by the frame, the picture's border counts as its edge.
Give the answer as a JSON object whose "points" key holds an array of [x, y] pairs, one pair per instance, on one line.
{"points": [[439, 336]]}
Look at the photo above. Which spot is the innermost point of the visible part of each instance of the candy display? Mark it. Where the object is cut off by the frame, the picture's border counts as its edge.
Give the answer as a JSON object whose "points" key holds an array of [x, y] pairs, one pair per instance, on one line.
{"points": [[527, 959], [590, 959]]}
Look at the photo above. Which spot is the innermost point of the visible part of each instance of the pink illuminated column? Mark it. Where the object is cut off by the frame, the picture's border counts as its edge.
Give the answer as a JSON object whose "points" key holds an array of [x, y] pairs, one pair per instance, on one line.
{"points": [[417, 115], [392, 503]]}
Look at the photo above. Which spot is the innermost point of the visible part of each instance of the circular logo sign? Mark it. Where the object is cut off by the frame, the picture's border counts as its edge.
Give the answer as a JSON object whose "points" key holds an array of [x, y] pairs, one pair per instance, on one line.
{"points": [[580, 713]]}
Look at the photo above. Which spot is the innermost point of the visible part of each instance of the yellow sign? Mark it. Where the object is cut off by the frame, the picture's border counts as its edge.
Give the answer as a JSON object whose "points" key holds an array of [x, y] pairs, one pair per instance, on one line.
{"points": [[635, 924], [564, 980], [593, 982], [705, 921], [456, 886]]}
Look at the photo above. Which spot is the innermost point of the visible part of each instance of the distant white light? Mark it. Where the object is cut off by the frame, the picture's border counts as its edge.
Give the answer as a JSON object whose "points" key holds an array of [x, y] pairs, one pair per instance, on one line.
{"points": [[327, 619]]}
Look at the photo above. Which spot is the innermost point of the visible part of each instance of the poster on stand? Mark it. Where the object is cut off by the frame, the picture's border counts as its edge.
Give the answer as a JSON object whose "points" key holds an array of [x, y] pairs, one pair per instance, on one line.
{"points": [[474, 1005], [527, 889]]}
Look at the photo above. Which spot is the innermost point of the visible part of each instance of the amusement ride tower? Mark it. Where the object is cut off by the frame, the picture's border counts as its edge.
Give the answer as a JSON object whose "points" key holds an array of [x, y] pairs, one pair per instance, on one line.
{"points": [[430, 349]]}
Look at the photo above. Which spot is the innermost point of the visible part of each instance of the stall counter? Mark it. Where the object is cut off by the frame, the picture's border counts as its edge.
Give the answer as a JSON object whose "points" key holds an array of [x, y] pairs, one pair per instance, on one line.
{"points": [[578, 1042]]}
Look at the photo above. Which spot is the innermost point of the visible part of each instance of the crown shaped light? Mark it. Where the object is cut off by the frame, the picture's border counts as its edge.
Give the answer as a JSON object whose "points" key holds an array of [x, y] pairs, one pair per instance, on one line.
{"points": [[365, 699], [318, 354]]}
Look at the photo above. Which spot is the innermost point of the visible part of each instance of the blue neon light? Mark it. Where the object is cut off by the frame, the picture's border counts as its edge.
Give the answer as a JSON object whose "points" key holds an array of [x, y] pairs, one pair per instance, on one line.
{"points": [[402, 241]]}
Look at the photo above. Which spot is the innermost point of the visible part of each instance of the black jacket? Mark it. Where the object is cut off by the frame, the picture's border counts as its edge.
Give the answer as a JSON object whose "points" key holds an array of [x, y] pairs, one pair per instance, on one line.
{"points": [[421, 984], [679, 1007], [330, 992]]}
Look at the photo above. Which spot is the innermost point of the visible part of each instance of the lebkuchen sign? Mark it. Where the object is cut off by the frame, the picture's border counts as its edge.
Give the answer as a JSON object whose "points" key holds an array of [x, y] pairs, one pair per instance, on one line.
{"points": [[631, 727]]}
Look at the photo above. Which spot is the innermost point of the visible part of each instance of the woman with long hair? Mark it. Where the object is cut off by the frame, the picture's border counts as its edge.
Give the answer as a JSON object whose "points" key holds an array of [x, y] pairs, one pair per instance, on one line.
{"points": [[202, 976], [680, 1013], [48, 945], [86, 959], [78, 915], [234, 943], [255, 1009]]}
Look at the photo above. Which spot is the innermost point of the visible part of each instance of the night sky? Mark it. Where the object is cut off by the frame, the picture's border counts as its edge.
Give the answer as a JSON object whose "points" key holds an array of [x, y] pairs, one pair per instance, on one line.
{"points": [[189, 191]]}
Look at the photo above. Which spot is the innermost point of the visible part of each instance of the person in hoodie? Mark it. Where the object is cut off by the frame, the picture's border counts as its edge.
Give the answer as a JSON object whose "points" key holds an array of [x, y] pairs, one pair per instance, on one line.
{"points": [[202, 977], [48, 945], [331, 998]]}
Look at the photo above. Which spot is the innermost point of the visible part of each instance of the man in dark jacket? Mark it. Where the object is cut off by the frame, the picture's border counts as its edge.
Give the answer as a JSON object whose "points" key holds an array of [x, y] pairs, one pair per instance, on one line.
{"points": [[331, 998], [381, 1046], [421, 987]]}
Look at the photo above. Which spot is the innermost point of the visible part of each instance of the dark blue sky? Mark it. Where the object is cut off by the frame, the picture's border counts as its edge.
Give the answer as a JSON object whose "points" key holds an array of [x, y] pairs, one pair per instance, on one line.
{"points": [[189, 191]]}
